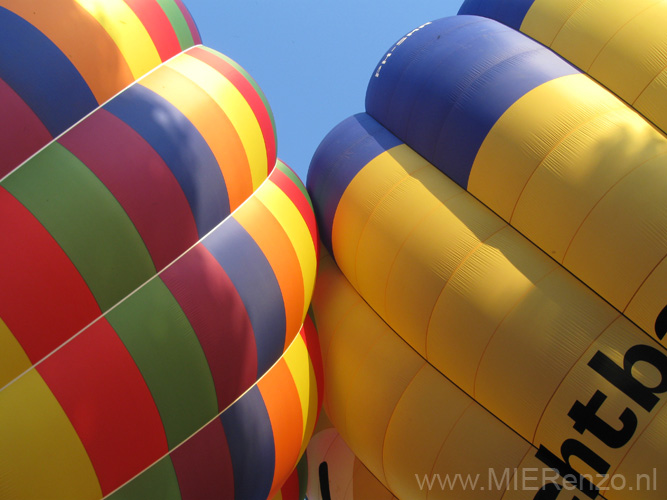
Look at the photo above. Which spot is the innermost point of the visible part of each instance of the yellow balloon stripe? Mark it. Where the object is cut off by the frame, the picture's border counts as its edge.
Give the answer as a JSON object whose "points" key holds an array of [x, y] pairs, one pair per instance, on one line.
{"points": [[296, 229], [529, 131], [306, 385], [232, 102], [507, 325], [15, 360], [349, 218], [621, 44], [124, 27], [215, 127], [398, 414], [42, 454], [48, 16], [559, 164]]}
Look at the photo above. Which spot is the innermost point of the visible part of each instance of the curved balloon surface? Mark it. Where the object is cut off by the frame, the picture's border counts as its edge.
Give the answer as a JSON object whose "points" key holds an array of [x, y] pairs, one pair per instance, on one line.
{"points": [[508, 315], [335, 473], [61, 60], [157, 264], [252, 448]]}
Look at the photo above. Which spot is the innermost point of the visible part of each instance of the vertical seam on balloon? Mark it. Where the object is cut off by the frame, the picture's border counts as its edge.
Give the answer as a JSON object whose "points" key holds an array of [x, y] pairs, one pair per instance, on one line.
{"points": [[572, 14], [130, 294], [627, 452], [393, 412], [628, 21], [55, 139], [449, 433], [574, 365], [644, 90], [592, 209], [572, 132], [405, 241], [406, 69], [390, 190], [509, 311], [202, 426], [447, 378], [463, 93], [465, 258]]}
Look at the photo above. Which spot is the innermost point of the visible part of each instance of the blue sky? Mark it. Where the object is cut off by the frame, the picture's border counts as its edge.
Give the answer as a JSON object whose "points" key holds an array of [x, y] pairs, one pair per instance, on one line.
{"points": [[312, 58]]}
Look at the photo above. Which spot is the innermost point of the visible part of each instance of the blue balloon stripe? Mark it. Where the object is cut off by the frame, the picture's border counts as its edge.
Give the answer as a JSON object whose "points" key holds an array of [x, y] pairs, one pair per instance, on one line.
{"points": [[468, 72], [182, 148], [254, 279], [251, 445], [508, 12], [36, 69], [331, 170]]}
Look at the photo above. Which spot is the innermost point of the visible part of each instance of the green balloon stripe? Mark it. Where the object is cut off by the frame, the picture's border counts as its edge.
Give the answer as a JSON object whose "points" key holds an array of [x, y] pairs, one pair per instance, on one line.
{"points": [[86, 221], [158, 481], [178, 22], [295, 179], [160, 339]]}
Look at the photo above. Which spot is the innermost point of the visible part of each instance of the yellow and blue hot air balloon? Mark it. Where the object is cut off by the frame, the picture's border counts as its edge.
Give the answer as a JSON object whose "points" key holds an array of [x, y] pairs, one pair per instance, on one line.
{"points": [[499, 229], [157, 263]]}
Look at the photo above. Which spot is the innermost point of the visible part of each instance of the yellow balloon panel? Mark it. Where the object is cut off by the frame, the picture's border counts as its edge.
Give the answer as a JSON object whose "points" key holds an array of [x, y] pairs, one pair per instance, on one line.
{"points": [[518, 144], [582, 180], [436, 435], [497, 317], [621, 44]]}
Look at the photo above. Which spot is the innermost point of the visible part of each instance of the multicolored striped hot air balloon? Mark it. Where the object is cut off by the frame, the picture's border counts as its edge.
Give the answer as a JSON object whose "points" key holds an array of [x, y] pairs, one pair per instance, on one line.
{"points": [[157, 263], [495, 313]]}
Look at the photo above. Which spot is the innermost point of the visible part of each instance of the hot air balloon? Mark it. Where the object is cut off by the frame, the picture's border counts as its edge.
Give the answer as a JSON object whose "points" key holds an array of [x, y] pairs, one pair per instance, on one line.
{"points": [[493, 324], [157, 263]]}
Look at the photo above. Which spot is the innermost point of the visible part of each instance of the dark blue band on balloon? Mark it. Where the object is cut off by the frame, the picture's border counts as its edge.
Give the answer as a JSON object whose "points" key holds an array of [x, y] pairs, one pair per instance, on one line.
{"points": [[182, 148], [340, 156], [251, 445], [257, 285], [35, 68], [508, 12], [444, 87]]}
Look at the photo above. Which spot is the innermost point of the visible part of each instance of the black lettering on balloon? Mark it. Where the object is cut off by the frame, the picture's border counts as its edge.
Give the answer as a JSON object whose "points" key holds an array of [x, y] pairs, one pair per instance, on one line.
{"points": [[661, 324], [570, 448], [623, 379], [586, 419]]}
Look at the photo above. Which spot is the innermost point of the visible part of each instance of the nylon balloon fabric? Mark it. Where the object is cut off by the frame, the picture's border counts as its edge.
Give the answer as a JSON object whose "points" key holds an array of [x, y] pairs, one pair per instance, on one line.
{"points": [[492, 309], [157, 263]]}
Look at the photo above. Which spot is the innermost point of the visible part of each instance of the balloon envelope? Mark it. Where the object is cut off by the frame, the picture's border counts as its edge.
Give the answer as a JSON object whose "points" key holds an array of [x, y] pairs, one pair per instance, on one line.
{"points": [[498, 232], [157, 263]]}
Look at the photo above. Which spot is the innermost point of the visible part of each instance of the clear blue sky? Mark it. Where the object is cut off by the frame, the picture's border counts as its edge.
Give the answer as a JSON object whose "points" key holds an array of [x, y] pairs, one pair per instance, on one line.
{"points": [[312, 58]]}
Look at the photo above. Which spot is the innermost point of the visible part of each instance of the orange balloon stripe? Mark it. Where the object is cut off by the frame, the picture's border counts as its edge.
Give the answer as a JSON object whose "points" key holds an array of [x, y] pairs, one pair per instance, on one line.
{"points": [[276, 245], [284, 407], [212, 123], [249, 93], [48, 17]]}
